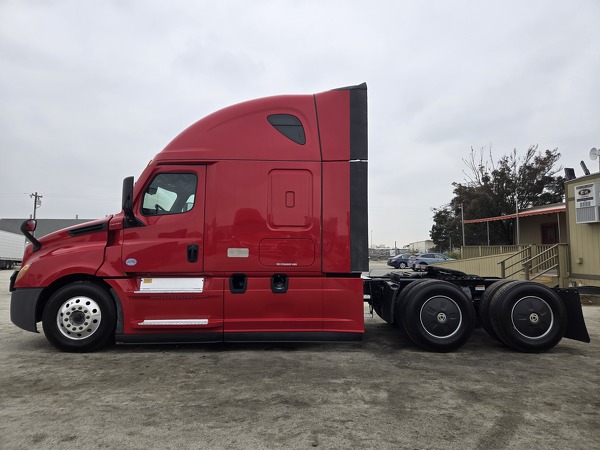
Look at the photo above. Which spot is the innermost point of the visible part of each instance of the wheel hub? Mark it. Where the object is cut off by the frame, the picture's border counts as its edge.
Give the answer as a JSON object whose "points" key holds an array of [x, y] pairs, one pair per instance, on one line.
{"points": [[78, 318], [441, 317], [532, 317]]}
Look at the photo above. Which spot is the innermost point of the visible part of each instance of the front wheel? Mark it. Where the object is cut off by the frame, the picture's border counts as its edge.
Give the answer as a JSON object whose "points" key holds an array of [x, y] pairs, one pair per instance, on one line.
{"points": [[403, 265], [79, 317]]}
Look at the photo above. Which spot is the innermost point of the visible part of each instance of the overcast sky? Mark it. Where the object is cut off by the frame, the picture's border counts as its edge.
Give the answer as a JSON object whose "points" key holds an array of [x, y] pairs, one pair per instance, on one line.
{"points": [[91, 90]]}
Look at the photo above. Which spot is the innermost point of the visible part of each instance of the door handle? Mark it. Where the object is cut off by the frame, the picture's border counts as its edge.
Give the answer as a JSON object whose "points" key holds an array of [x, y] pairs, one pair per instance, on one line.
{"points": [[193, 251]]}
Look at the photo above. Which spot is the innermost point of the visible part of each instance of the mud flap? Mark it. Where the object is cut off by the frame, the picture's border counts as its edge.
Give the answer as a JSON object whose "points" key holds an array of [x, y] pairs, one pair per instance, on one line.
{"points": [[576, 328]]}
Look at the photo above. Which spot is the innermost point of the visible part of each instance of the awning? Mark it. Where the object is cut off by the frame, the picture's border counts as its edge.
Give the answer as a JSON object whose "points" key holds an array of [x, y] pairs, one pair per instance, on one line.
{"points": [[549, 209]]}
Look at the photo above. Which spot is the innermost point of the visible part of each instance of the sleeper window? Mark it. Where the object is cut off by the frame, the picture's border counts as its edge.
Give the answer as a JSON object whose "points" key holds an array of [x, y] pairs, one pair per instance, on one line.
{"points": [[290, 126]]}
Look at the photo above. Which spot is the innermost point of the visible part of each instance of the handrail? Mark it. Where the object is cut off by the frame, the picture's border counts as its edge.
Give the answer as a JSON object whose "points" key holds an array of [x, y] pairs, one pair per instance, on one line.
{"points": [[477, 251], [520, 263], [532, 267], [552, 254]]}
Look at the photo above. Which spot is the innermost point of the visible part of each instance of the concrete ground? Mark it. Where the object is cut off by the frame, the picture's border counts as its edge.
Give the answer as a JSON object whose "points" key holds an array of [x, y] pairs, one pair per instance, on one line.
{"points": [[380, 393]]}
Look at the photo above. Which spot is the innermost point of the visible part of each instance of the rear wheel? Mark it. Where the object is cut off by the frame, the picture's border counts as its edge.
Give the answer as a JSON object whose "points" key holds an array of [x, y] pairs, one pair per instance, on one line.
{"points": [[79, 317], [403, 265], [484, 307], [437, 315], [401, 300], [528, 316]]}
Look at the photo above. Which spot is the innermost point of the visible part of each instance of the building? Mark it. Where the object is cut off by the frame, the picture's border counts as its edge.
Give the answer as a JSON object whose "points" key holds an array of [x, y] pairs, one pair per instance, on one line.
{"points": [[421, 246], [538, 225], [563, 237], [583, 230], [44, 226]]}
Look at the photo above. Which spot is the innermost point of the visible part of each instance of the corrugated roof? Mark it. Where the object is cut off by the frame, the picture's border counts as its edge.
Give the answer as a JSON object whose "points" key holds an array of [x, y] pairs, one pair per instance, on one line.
{"points": [[538, 210]]}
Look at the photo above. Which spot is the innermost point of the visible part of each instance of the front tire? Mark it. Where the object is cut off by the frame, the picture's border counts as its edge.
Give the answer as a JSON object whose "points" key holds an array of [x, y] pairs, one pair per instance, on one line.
{"points": [[79, 317], [403, 265]]}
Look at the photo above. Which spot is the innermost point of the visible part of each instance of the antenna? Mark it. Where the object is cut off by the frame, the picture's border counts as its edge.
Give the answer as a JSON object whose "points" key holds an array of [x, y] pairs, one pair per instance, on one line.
{"points": [[584, 168]]}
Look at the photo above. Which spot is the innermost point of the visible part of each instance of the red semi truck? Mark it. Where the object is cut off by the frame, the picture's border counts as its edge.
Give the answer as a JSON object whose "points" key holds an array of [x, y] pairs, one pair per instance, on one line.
{"points": [[252, 225]]}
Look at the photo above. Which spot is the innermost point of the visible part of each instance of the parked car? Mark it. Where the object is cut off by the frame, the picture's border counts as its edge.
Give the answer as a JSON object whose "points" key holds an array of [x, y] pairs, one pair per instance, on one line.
{"points": [[422, 260], [399, 261]]}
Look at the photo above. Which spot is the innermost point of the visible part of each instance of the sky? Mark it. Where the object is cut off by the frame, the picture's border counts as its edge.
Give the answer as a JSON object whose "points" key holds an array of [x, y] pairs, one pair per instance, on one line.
{"points": [[91, 90]]}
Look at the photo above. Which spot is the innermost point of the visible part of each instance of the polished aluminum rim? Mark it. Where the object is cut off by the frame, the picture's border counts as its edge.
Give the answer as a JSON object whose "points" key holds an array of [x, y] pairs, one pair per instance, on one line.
{"points": [[78, 318]]}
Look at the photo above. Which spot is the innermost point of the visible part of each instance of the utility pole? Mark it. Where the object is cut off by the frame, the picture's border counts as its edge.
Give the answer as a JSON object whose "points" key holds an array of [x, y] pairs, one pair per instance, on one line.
{"points": [[517, 219], [37, 202], [462, 221]]}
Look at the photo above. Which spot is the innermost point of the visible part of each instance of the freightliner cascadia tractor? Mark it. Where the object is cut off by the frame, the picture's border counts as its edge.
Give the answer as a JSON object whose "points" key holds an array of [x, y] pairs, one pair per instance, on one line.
{"points": [[252, 225]]}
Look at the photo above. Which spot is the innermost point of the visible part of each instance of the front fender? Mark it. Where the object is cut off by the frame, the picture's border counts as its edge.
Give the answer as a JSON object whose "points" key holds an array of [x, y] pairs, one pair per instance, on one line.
{"points": [[43, 270]]}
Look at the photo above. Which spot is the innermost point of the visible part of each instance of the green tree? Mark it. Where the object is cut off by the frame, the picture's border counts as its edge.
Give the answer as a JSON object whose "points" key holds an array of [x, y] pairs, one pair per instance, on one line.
{"points": [[495, 188], [446, 229]]}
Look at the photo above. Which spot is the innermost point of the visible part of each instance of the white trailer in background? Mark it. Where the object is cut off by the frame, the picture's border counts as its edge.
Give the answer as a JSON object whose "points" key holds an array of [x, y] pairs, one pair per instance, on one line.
{"points": [[11, 249]]}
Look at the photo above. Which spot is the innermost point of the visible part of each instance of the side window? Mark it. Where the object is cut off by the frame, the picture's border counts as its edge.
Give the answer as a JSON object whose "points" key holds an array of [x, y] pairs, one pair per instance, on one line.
{"points": [[170, 193], [189, 203], [290, 126]]}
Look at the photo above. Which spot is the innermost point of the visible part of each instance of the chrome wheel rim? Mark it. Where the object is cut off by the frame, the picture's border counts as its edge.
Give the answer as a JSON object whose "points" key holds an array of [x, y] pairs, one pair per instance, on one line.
{"points": [[78, 318]]}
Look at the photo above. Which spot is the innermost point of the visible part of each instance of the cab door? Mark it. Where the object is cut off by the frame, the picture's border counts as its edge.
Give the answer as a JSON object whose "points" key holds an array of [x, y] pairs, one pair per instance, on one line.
{"points": [[164, 257], [170, 237]]}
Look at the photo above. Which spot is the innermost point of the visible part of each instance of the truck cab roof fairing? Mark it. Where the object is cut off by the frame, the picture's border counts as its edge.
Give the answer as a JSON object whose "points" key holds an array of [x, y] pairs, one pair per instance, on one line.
{"points": [[243, 131]]}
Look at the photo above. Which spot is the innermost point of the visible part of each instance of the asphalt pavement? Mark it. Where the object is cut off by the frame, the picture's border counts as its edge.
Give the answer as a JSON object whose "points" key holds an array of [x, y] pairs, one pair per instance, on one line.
{"points": [[381, 393]]}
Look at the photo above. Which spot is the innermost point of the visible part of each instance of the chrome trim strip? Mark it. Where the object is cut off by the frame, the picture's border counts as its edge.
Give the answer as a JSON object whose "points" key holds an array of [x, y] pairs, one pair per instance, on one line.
{"points": [[177, 322]]}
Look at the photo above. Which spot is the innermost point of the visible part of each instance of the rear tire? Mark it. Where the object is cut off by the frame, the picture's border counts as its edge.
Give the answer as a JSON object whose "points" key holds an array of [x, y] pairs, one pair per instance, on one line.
{"points": [[528, 316], [80, 317], [400, 303], [437, 315], [484, 307]]}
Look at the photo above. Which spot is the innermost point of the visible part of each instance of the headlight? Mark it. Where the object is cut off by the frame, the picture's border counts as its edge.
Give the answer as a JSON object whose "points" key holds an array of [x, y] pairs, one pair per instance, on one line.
{"points": [[22, 272]]}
